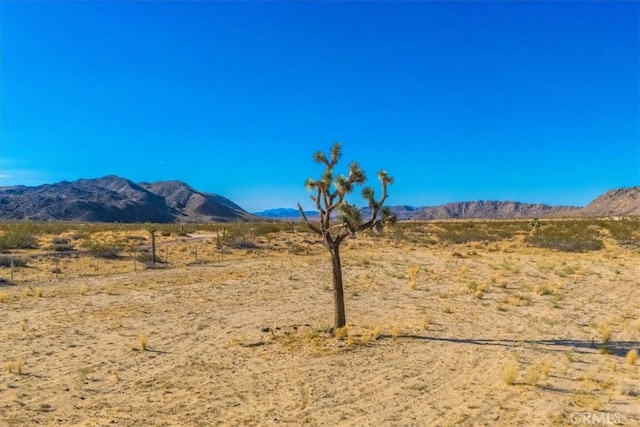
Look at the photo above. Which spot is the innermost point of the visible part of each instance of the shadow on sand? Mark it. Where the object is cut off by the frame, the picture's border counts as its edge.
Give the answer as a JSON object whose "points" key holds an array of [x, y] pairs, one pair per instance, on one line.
{"points": [[618, 348]]}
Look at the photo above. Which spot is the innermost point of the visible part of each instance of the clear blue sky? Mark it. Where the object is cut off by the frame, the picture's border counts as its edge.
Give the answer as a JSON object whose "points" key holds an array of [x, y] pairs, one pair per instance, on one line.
{"points": [[528, 101]]}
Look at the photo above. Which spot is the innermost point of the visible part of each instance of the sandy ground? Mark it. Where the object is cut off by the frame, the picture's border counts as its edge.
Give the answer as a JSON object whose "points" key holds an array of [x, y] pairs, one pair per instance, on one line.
{"points": [[242, 340]]}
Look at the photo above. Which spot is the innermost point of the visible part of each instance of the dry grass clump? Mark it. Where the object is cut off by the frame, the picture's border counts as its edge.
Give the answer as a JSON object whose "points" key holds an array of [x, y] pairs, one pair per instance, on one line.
{"points": [[17, 366], [632, 356], [477, 290], [533, 376], [341, 333], [544, 290], [510, 374], [376, 332], [519, 300], [142, 340], [412, 272], [426, 321], [605, 331]]}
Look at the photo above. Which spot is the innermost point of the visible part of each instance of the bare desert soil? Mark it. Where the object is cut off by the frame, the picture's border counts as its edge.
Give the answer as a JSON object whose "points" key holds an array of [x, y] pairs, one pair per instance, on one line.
{"points": [[435, 331]]}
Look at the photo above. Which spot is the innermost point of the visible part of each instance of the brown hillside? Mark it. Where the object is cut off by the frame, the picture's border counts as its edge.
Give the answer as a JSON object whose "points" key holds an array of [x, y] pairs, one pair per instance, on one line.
{"points": [[621, 202]]}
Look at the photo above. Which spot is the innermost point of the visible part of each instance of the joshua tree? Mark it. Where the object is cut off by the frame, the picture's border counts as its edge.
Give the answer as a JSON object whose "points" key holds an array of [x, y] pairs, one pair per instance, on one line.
{"points": [[535, 225], [329, 194]]}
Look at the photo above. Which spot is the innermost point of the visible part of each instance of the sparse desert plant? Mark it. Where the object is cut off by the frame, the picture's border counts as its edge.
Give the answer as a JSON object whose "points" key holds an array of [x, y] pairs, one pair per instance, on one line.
{"points": [[545, 368], [510, 374], [567, 236], [535, 226], [342, 333], [632, 355], [366, 337], [533, 376], [103, 249], [570, 355], [605, 331], [18, 236], [426, 321], [60, 244], [8, 260], [544, 290], [329, 194], [412, 272], [519, 299], [351, 341], [81, 377], [472, 287], [142, 340]]}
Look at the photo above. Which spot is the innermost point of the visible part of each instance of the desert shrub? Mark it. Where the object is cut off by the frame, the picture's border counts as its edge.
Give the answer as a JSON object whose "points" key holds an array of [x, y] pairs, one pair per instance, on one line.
{"points": [[242, 244], [79, 235], [146, 257], [103, 249], [239, 236], [5, 261], [468, 231], [60, 244], [462, 232], [626, 232], [18, 236], [567, 236], [262, 229]]}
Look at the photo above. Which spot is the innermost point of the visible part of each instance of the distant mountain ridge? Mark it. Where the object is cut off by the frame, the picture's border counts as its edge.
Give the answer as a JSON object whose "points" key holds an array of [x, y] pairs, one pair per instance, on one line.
{"points": [[461, 210], [620, 202], [115, 199], [492, 209]]}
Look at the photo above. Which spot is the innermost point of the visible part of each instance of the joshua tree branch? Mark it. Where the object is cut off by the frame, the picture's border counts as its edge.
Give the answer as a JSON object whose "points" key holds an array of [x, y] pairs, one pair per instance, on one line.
{"points": [[309, 224]]}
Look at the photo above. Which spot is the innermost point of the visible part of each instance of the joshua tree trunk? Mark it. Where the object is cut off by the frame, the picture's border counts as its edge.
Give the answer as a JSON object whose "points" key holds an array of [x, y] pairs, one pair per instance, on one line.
{"points": [[338, 293]]}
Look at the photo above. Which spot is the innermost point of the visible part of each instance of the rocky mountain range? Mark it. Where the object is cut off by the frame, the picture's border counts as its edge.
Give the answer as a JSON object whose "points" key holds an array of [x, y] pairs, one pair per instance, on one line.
{"points": [[116, 199], [621, 202], [461, 210]]}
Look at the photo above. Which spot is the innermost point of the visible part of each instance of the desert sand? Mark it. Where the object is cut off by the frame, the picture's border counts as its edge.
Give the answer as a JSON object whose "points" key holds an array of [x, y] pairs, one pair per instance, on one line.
{"points": [[481, 333]]}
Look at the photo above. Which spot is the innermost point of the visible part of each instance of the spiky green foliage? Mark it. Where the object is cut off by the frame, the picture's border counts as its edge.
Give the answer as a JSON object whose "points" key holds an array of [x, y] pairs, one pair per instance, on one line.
{"points": [[328, 194]]}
